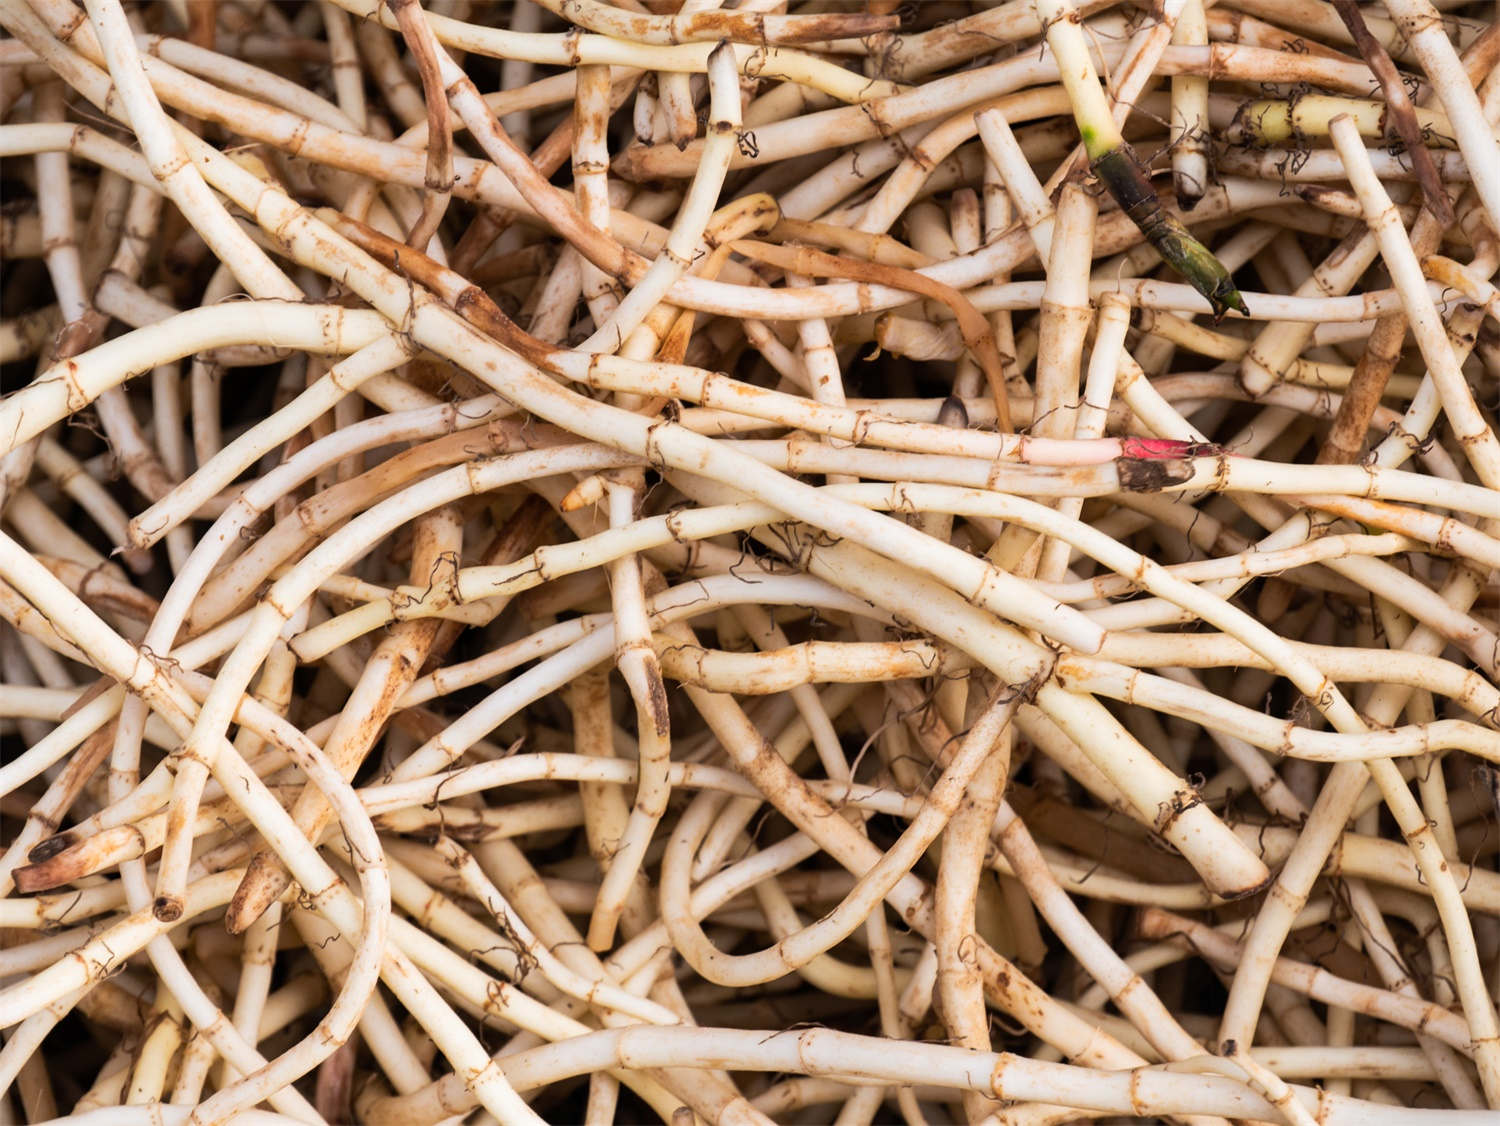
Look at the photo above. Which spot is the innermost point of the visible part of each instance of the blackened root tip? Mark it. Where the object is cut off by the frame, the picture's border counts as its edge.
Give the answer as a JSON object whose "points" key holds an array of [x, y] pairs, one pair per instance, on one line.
{"points": [[50, 847]]}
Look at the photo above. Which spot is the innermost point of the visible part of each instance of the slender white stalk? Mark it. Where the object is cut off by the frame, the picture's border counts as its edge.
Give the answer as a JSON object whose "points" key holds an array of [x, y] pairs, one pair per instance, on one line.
{"points": [[1475, 435], [685, 241], [179, 177], [1190, 122]]}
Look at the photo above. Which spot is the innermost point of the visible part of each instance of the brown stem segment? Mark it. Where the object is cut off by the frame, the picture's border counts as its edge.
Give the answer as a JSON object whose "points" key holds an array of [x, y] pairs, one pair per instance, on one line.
{"points": [[1346, 437], [1401, 113], [1366, 386], [439, 179]]}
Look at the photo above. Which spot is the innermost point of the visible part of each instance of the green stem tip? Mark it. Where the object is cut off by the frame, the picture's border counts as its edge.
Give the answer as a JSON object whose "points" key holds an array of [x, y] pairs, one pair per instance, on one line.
{"points": [[1122, 173]]}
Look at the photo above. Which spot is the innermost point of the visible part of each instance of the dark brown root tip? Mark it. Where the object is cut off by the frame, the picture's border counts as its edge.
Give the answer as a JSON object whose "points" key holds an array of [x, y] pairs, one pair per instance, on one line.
{"points": [[656, 690], [167, 908], [953, 413], [1247, 892], [1140, 476], [260, 886], [50, 847]]}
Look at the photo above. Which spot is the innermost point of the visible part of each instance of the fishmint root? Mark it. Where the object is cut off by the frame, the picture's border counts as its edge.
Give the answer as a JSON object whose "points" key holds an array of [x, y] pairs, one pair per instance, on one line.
{"points": [[627, 561]]}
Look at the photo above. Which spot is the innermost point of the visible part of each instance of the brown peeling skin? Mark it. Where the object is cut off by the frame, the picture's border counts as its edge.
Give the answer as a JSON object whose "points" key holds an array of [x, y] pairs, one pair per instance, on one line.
{"points": [[656, 690], [976, 330]]}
